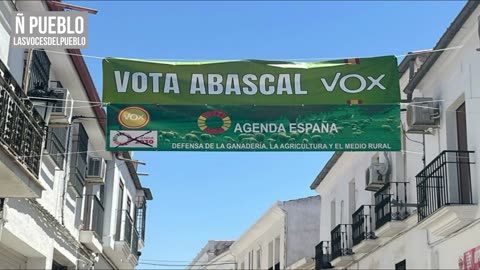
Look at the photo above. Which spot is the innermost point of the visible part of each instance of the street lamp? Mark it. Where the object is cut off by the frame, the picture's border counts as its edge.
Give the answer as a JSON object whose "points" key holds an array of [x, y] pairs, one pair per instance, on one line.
{"points": [[43, 100]]}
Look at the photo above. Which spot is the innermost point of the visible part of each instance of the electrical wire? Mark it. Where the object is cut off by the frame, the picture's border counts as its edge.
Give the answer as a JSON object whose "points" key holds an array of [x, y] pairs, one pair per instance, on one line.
{"points": [[187, 261], [408, 138], [63, 153], [183, 265], [417, 52], [102, 104], [60, 99], [68, 107]]}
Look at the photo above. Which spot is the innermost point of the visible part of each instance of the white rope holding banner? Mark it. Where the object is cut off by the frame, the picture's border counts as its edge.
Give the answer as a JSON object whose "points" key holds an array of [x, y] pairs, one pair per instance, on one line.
{"points": [[102, 104], [416, 52]]}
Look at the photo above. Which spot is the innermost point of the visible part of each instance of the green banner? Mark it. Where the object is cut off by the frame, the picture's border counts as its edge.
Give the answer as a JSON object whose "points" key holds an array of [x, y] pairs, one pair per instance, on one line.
{"points": [[253, 128], [348, 81]]}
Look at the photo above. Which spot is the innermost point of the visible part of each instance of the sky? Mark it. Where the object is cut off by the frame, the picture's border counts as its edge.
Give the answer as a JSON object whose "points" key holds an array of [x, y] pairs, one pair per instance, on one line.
{"points": [[202, 196]]}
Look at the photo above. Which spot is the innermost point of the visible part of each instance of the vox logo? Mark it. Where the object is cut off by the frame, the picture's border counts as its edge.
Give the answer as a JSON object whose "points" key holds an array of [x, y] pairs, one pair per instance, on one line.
{"points": [[133, 117], [353, 83]]}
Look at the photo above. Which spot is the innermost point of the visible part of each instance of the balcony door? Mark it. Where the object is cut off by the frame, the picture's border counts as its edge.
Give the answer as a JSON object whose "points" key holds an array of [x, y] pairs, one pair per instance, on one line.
{"points": [[463, 168]]}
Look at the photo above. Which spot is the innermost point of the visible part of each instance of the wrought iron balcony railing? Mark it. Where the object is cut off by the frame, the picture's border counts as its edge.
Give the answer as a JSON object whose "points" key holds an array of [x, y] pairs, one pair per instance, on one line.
{"points": [[341, 241], [135, 242], [21, 131], [128, 229], [391, 203], [446, 180], [140, 221], [322, 256], [93, 220], [362, 224]]}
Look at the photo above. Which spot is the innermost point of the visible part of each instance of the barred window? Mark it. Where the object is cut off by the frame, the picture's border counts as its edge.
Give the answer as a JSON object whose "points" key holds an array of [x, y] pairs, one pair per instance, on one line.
{"points": [[78, 164], [39, 70], [55, 146]]}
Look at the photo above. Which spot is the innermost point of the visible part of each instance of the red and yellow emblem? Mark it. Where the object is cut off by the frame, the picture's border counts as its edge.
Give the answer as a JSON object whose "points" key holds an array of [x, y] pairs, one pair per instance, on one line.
{"points": [[202, 122]]}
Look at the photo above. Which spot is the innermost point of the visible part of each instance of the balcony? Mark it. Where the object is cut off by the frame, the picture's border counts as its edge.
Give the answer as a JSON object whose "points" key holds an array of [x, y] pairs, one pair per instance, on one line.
{"points": [[391, 209], [444, 193], [363, 236], [92, 232], [126, 238], [135, 242], [141, 210], [322, 256], [342, 253], [21, 139]]}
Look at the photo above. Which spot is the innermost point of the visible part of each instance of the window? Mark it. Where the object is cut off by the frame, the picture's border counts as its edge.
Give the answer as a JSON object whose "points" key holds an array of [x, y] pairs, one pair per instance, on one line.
{"points": [[367, 177], [55, 145], [78, 164], [141, 211], [341, 211], [101, 194], [332, 215], [352, 199], [259, 258], [277, 254], [39, 70], [2, 202], [401, 265], [270, 255], [250, 260], [57, 266], [129, 205]]}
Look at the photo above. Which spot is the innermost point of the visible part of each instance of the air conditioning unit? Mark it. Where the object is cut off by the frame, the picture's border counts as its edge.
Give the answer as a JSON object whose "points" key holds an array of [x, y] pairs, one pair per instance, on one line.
{"points": [[422, 115], [96, 170], [375, 176], [62, 111]]}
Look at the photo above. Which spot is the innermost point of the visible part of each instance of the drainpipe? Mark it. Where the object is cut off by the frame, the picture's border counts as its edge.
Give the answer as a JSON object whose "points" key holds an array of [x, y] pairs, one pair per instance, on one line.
{"points": [[411, 74], [120, 157], [66, 176]]}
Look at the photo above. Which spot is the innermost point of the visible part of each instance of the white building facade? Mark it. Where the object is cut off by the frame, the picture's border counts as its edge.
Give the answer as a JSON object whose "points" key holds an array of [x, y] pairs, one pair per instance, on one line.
{"points": [[214, 255], [65, 202], [284, 237], [415, 209]]}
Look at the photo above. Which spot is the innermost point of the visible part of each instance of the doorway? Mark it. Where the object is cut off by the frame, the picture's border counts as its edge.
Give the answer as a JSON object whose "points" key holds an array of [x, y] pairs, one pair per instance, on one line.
{"points": [[463, 168]]}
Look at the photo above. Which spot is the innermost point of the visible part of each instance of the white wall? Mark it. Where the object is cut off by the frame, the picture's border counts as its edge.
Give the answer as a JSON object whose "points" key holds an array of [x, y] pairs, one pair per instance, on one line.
{"points": [[411, 246], [290, 229], [452, 80], [116, 172], [302, 228], [269, 227], [33, 229], [224, 261]]}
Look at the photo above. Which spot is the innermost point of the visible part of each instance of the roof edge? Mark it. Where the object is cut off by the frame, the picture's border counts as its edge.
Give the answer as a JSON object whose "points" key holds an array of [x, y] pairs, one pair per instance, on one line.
{"points": [[443, 42], [326, 169]]}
